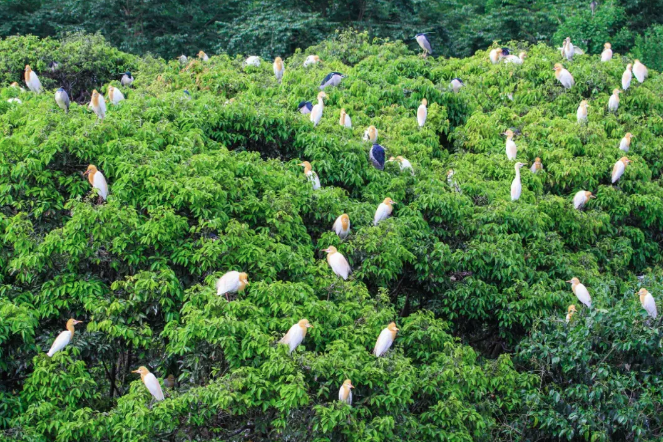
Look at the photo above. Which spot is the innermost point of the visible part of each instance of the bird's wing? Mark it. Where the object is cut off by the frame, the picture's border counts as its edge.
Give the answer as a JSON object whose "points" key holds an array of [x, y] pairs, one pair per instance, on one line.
{"points": [[337, 227], [152, 384], [383, 343], [583, 295], [101, 185], [227, 283], [650, 305], [578, 51], [578, 200], [340, 265], [378, 153], [380, 213], [617, 170], [60, 342]]}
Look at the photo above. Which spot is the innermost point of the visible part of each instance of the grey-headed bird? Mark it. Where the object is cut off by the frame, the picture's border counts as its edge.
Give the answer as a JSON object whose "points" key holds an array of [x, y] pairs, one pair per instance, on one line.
{"points": [[62, 99], [422, 39]]}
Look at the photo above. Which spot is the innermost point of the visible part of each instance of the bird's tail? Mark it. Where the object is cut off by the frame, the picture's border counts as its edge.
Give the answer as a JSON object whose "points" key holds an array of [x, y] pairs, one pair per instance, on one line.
{"points": [[49, 354]]}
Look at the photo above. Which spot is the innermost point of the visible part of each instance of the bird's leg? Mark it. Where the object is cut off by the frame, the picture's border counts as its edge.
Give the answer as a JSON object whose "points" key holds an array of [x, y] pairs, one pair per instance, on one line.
{"points": [[227, 297]]}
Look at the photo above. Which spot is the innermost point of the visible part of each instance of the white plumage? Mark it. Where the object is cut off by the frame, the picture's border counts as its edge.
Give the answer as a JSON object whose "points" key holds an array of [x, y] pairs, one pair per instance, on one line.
{"points": [[581, 292], [511, 148], [316, 112], [311, 59], [564, 76], [203, 56], [606, 55], [422, 113], [100, 184], [98, 104], [60, 342], [253, 60], [151, 383], [519, 60], [295, 335], [581, 114], [495, 55], [627, 76], [345, 120], [115, 95], [613, 103], [516, 185], [279, 69], [619, 168], [342, 226], [648, 303], [311, 175], [383, 211], [32, 80], [231, 282], [625, 143], [581, 198], [337, 262], [345, 392], [571, 311], [640, 71], [385, 340], [456, 84], [403, 163], [371, 134]]}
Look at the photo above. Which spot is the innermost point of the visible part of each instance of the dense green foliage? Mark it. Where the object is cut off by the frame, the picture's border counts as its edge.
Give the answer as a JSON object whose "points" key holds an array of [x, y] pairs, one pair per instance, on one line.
{"points": [[276, 28], [203, 185]]}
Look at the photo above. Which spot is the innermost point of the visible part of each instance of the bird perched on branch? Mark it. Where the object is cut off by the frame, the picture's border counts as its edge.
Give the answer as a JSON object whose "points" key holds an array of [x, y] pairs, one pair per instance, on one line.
{"points": [[619, 168], [627, 76], [115, 95], [385, 340], [581, 292], [62, 99], [345, 393], [296, 334], [332, 79], [371, 134], [516, 185], [377, 156], [456, 84], [495, 55], [422, 113], [64, 338], [520, 59], [127, 79], [97, 180], [571, 311], [403, 163], [98, 104], [203, 56], [613, 102], [564, 76], [422, 39], [537, 166], [310, 60], [625, 143], [581, 198], [231, 282], [640, 71], [345, 120], [32, 80], [337, 262], [342, 226], [511, 148], [581, 114], [316, 112], [279, 69], [383, 211], [648, 303], [183, 59], [253, 60], [606, 55], [151, 383], [568, 50], [312, 176], [305, 107]]}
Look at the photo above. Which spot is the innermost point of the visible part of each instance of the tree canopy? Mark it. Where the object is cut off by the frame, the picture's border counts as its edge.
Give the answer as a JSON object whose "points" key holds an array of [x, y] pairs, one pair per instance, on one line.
{"points": [[210, 181]]}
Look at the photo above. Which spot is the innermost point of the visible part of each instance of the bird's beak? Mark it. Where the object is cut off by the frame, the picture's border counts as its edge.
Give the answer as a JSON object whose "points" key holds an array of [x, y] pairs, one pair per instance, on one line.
{"points": [[310, 326], [135, 371], [397, 329], [569, 281], [591, 196], [86, 173], [77, 322], [351, 386]]}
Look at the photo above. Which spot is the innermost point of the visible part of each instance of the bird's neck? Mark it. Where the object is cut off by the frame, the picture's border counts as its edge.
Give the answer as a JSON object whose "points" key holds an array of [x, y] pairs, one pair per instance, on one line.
{"points": [[518, 173], [90, 177], [71, 329]]}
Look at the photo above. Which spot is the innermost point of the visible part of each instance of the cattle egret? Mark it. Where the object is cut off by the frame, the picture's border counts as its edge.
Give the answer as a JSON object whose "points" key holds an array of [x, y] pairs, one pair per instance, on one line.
{"points": [[311, 59], [14, 100], [332, 79], [606, 55], [613, 102], [345, 393], [97, 180], [279, 69], [62, 99], [495, 55], [456, 84], [452, 182], [581, 198], [581, 292], [63, 338], [203, 56], [627, 76], [312, 176], [31, 80], [342, 226], [151, 382], [520, 59], [337, 262], [570, 312], [345, 120], [563, 76], [648, 303], [386, 338], [422, 39], [640, 71], [568, 50], [169, 382], [403, 163], [537, 166], [183, 59], [619, 168], [296, 334], [383, 211], [231, 282], [115, 95], [305, 107], [98, 104], [16, 85], [422, 113], [371, 134], [516, 186], [511, 148], [316, 112], [625, 143], [253, 60], [127, 79], [377, 156], [581, 114]]}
